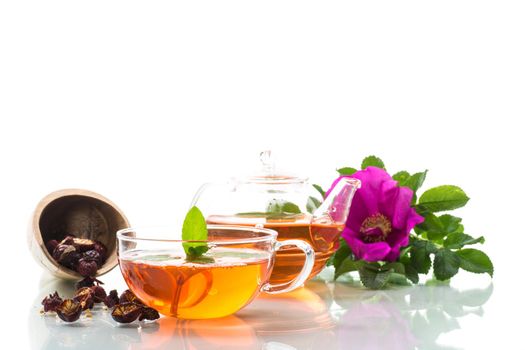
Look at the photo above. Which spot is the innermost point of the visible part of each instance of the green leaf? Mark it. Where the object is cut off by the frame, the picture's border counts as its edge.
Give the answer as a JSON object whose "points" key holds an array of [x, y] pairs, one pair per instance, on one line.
{"points": [[346, 171], [450, 222], [341, 254], [347, 265], [372, 161], [420, 255], [457, 240], [415, 181], [194, 228], [312, 204], [320, 190], [280, 206], [476, 261], [446, 264], [373, 278], [398, 279], [446, 197], [401, 177], [396, 267], [411, 273]]}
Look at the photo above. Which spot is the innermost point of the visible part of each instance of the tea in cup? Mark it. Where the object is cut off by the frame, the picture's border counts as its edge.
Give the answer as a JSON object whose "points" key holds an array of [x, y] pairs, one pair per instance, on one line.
{"points": [[233, 271]]}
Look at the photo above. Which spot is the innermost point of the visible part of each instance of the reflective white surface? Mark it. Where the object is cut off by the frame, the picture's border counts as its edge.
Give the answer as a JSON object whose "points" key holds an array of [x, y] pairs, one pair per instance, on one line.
{"points": [[322, 315]]}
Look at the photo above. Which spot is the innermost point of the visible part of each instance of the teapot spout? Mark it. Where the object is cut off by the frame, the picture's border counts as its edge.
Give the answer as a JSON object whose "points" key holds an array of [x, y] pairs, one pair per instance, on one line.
{"points": [[336, 205]]}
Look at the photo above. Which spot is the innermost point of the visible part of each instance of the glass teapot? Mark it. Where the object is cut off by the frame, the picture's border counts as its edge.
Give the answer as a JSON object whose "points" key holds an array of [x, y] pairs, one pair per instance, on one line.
{"points": [[287, 204]]}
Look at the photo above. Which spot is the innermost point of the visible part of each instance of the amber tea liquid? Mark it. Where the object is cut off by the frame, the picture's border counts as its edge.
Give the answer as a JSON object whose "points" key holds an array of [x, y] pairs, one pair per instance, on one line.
{"points": [[178, 288], [322, 236]]}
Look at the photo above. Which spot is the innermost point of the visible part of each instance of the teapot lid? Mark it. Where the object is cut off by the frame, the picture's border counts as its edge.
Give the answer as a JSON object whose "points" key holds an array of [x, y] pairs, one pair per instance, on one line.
{"points": [[269, 175]]}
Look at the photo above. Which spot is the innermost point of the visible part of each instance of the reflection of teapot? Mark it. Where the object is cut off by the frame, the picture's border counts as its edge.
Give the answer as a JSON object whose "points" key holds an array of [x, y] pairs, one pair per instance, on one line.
{"points": [[285, 203]]}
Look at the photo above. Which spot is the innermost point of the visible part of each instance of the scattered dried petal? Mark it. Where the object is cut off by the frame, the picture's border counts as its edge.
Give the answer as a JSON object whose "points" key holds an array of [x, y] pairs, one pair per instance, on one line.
{"points": [[148, 313], [69, 310], [51, 245], [88, 282], [85, 296], [99, 294], [111, 299], [128, 297], [52, 302], [126, 312]]}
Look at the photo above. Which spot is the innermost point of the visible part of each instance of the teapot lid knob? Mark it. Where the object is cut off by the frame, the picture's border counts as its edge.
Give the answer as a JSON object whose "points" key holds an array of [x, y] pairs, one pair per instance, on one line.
{"points": [[267, 161]]}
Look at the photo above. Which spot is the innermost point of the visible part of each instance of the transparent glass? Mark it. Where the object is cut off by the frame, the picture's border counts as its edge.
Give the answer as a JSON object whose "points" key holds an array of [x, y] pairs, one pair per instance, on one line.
{"points": [[287, 204], [234, 270]]}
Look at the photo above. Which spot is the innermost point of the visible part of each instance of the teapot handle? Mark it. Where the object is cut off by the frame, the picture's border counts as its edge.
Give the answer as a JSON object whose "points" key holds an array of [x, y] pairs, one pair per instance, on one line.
{"points": [[303, 275]]}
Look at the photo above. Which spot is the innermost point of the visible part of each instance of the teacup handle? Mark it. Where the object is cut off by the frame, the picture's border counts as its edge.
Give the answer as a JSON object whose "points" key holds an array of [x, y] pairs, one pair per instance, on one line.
{"points": [[303, 275]]}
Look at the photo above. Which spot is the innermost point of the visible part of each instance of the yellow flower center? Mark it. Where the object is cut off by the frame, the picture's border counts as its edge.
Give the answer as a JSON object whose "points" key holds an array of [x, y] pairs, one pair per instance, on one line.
{"points": [[375, 228]]}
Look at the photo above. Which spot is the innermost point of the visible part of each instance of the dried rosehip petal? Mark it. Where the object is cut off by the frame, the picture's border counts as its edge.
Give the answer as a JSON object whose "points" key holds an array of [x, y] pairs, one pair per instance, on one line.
{"points": [[126, 312], [92, 255], [99, 294], [87, 268], [51, 245], [128, 297], [69, 310], [111, 299], [88, 282], [68, 240], [66, 255], [83, 244], [102, 250], [86, 297], [52, 302], [148, 313]]}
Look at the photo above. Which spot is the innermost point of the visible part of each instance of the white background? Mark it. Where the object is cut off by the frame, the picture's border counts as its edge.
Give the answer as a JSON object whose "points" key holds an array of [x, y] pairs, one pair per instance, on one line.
{"points": [[144, 101]]}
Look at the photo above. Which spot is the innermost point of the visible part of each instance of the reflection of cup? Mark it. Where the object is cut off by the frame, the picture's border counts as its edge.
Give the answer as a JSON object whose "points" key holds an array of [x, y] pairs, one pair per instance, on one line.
{"points": [[234, 268], [299, 319]]}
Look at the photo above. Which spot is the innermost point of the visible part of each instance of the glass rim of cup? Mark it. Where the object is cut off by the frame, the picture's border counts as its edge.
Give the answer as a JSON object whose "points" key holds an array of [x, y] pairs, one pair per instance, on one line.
{"points": [[268, 234]]}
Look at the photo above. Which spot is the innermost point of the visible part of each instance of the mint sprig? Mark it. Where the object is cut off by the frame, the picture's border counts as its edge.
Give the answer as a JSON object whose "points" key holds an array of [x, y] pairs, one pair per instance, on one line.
{"points": [[194, 228], [437, 244]]}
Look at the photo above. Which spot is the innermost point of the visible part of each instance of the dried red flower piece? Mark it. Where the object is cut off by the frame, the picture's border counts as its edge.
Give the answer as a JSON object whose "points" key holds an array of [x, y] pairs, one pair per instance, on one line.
{"points": [[83, 244], [126, 312], [52, 302], [99, 294], [69, 310], [128, 297], [111, 299], [87, 268], [66, 255], [68, 240], [88, 282], [92, 255], [85, 296], [148, 313], [51, 245], [101, 249]]}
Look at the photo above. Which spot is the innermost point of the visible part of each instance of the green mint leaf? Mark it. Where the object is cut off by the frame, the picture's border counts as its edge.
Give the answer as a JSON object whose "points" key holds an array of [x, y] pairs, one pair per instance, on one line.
{"points": [[373, 278], [346, 171], [347, 265], [279, 206], [312, 204], [446, 264], [372, 161], [457, 240], [476, 261], [194, 228], [401, 177], [320, 190], [441, 198], [420, 255]]}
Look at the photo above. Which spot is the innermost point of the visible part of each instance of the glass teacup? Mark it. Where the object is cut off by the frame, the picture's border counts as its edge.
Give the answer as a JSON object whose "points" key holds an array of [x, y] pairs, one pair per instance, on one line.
{"points": [[226, 278]]}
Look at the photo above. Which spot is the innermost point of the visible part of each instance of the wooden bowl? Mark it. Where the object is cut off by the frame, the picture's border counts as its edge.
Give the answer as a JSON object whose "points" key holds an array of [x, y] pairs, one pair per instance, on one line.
{"points": [[82, 213]]}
